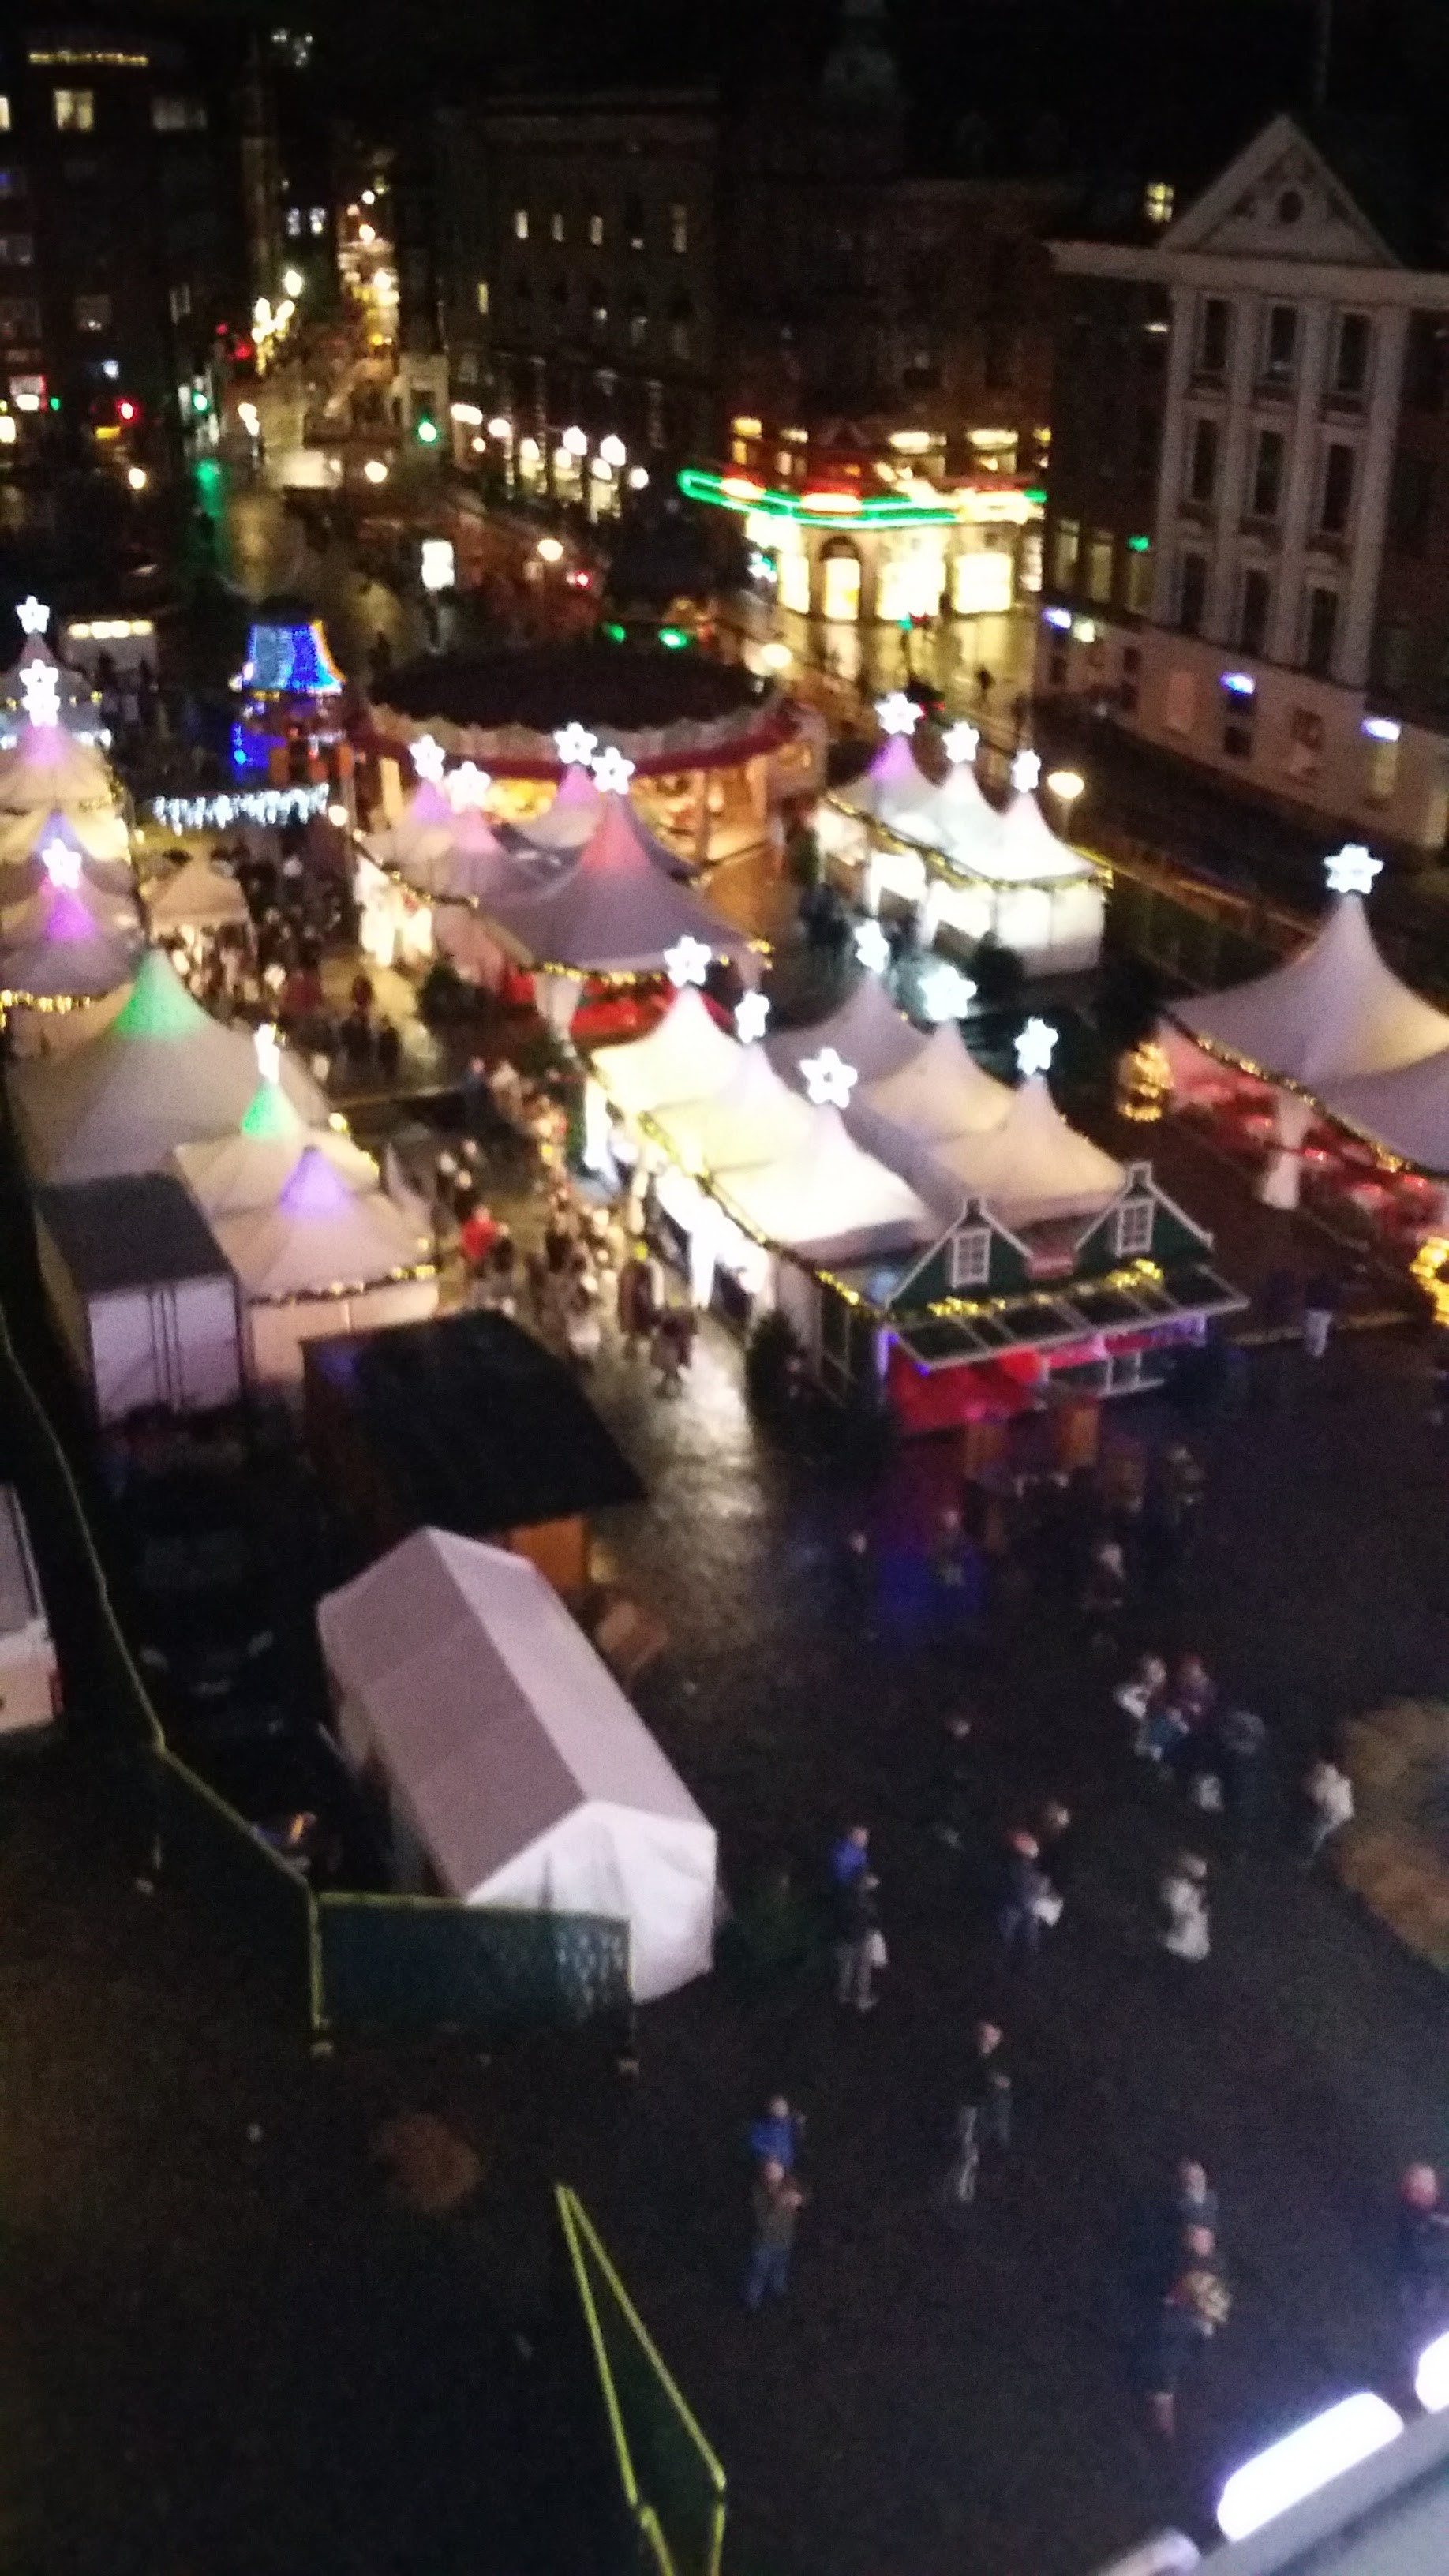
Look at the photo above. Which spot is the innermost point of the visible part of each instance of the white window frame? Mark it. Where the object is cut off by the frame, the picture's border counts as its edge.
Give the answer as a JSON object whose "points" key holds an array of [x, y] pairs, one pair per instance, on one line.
{"points": [[1128, 1223], [968, 1258]]}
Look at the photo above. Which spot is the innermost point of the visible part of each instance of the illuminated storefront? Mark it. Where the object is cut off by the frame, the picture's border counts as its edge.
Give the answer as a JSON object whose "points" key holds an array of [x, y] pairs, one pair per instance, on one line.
{"points": [[909, 550]]}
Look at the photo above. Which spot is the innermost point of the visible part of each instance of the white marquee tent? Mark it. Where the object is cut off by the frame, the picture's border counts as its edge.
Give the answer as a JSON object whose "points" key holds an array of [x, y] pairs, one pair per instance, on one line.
{"points": [[939, 1093], [200, 896], [1406, 1110], [754, 1117], [234, 1175], [322, 1259], [867, 1031], [1030, 1168], [615, 912], [161, 1073], [576, 811], [67, 942], [685, 1056], [518, 1774], [893, 790], [1333, 1012], [827, 1199]]}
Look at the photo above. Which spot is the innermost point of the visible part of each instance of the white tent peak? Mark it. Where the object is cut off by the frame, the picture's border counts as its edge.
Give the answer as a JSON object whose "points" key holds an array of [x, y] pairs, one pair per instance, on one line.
{"points": [[866, 1031], [319, 1238], [685, 1056], [1332, 1011], [826, 1198], [938, 1091], [753, 1117], [200, 896], [1030, 1168]]}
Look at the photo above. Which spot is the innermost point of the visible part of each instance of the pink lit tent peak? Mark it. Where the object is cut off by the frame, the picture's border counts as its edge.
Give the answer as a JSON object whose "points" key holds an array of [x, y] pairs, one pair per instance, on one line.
{"points": [[615, 912]]}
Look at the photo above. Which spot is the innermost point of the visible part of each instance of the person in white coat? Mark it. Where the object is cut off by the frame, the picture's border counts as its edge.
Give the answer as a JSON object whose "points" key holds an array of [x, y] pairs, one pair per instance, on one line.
{"points": [[1186, 1932]]}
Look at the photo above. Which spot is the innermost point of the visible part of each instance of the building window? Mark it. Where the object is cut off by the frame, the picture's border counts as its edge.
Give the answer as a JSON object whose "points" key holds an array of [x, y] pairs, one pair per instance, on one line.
{"points": [[1139, 581], [1280, 344], [1213, 336], [1202, 470], [520, 223], [4, 113], [93, 313], [598, 308], [679, 334], [596, 231], [1428, 362], [74, 110], [1337, 491], [317, 222], [1191, 593], [1411, 502], [19, 321], [634, 222], [1393, 655], [654, 412], [1066, 544], [1132, 1229], [1157, 200], [1238, 729], [1253, 616], [483, 295], [968, 1259], [293, 225], [179, 116], [638, 324], [1381, 771], [1267, 489], [179, 301], [17, 250], [1320, 626], [1145, 441], [556, 227], [1304, 757], [679, 229], [1099, 567], [1351, 358]]}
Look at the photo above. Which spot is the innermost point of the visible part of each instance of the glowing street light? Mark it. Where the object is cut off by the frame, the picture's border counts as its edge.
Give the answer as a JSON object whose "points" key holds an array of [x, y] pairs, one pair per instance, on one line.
{"points": [[574, 443], [292, 282], [1304, 2461], [137, 477], [1066, 785], [375, 470], [613, 450], [500, 428]]}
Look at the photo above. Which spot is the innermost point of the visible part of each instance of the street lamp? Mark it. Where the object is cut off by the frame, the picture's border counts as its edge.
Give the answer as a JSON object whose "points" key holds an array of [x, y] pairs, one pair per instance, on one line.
{"points": [[613, 451], [137, 477], [500, 428], [375, 470], [575, 443], [550, 550], [1066, 785], [292, 282]]}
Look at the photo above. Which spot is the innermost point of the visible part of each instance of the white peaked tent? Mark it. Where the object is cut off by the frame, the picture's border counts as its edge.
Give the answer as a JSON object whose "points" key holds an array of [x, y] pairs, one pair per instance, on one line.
{"points": [[322, 1259], [49, 774], [893, 790], [1406, 1110], [1334, 1011], [233, 1175], [1029, 1169], [200, 896], [754, 1117], [827, 1199], [939, 1093], [518, 1774], [161, 1073], [685, 1056], [1026, 848], [470, 861], [867, 1031], [67, 942], [615, 912], [957, 819]]}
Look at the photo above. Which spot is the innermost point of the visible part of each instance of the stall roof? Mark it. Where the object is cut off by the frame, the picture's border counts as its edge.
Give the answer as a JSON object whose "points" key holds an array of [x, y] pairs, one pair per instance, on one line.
{"points": [[939, 1091], [686, 1056], [1029, 1168], [754, 1117], [476, 1425], [826, 1199], [129, 1233], [68, 941], [319, 1236], [1406, 1110], [866, 1030], [231, 1175], [615, 912], [200, 896], [1334, 1011]]}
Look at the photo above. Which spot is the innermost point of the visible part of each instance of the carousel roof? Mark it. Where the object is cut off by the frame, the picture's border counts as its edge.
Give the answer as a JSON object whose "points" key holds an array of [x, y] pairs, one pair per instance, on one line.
{"points": [[753, 1117], [318, 1237], [1029, 1168], [825, 1198], [615, 912], [686, 1056], [867, 1031], [1334, 1011], [665, 710]]}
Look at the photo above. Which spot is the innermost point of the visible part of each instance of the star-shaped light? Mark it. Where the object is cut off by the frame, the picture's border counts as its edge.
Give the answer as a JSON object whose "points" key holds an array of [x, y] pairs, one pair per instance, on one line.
{"points": [[34, 616], [269, 1053], [687, 962], [872, 947], [575, 745], [959, 743], [40, 690], [751, 1014], [1352, 869], [62, 865], [829, 1080], [429, 759], [612, 772], [466, 787], [897, 713], [1035, 1046], [1025, 771]]}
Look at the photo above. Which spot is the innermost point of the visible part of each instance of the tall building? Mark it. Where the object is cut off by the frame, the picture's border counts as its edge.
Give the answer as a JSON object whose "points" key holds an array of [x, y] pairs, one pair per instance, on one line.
{"points": [[1248, 539]]}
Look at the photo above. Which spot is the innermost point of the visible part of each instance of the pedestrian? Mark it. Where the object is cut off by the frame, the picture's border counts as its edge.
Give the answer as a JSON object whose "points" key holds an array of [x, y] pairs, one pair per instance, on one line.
{"points": [[389, 1049], [776, 2203], [985, 683], [955, 1801], [1194, 1693], [776, 2136], [1186, 1932], [850, 1858], [986, 2088], [1240, 1739], [1142, 1698], [1104, 1592], [1421, 2254], [583, 1330], [1196, 2306], [1194, 2202], [1320, 1305], [1328, 1793], [1027, 1900], [1057, 1841], [857, 1572], [860, 1943]]}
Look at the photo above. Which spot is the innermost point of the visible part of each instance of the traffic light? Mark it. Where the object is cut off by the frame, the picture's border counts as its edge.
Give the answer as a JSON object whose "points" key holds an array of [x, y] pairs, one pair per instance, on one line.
{"points": [[127, 411], [425, 430]]}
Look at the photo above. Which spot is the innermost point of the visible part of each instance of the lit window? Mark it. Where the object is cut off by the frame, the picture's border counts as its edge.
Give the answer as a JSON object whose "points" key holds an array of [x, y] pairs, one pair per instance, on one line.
{"points": [[17, 250], [634, 222], [1132, 1232], [93, 313], [180, 301], [482, 294], [1157, 201], [74, 110], [1139, 581], [638, 327], [596, 231], [317, 222], [4, 113], [294, 223], [969, 1257], [1066, 542], [178, 116], [679, 228], [556, 227], [1099, 567], [520, 223]]}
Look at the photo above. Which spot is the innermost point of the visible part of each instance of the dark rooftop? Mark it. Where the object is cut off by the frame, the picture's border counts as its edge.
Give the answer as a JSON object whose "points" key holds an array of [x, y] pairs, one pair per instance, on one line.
{"points": [[544, 686], [130, 1232], [475, 1427]]}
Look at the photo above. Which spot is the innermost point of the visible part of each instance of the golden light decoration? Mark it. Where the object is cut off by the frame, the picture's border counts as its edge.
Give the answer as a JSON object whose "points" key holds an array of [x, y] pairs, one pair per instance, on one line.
{"points": [[1428, 1267], [1144, 1083]]}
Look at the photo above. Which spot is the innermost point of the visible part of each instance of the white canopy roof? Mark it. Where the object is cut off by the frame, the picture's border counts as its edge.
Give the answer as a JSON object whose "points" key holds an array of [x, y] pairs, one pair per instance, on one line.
{"points": [[49, 767], [1025, 849], [466, 859], [200, 896], [513, 1754], [318, 1238], [67, 941], [893, 788], [1406, 1110], [1029, 1168], [615, 912], [939, 1091], [956, 819], [161, 1073], [100, 831], [232, 1175], [867, 1031], [827, 1199], [576, 811], [685, 1056], [754, 1117], [1333, 1011]]}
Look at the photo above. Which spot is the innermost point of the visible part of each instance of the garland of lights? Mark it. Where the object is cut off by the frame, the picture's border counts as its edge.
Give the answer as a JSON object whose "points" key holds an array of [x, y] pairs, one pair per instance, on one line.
{"points": [[270, 805], [938, 863]]}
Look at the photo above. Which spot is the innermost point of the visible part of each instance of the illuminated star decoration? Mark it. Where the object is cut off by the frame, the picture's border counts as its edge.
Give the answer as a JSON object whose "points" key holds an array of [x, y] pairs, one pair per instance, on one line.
{"points": [[872, 947], [466, 787], [687, 962], [897, 713], [269, 1054], [1025, 771], [829, 1080], [62, 865], [1035, 1046], [959, 743], [612, 772], [1352, 869], [946, 994], [33, 615], [429, 759], [40, 690], [751, 1013], [575, 745]]}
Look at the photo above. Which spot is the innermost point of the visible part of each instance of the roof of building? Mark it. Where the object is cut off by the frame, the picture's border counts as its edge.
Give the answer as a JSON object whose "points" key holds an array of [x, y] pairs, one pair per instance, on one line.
{"points": [[130, 1232]]}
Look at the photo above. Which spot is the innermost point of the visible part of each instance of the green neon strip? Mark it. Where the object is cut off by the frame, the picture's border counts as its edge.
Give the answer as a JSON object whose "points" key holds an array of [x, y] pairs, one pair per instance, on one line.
{"points": [[1139, 545], [875, 511]]}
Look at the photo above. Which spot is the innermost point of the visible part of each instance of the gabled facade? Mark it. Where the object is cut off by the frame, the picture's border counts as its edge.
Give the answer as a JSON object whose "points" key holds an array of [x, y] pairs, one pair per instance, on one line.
{"points": [[1245, 559]]}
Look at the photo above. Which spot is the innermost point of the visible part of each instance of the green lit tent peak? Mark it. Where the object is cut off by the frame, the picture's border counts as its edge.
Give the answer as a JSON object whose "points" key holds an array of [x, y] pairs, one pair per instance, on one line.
{"points": [[271, 1114], [160, 1006]]}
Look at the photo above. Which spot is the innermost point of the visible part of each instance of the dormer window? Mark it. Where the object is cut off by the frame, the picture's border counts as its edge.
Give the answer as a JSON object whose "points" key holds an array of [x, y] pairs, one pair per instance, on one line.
{"points": [[970, 1258], [1132, 1229]]}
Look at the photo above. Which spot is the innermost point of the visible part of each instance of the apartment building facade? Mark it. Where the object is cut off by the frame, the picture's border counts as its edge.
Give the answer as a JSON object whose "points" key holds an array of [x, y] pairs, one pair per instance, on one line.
{"points": [[1247, 552]]}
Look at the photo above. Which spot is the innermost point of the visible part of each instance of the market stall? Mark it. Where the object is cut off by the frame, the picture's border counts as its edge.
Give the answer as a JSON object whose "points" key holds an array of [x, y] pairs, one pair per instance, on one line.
{"points": [[939, 1094], [238, 1174], [196, 901], [322, 1259], [866, 1032]]}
